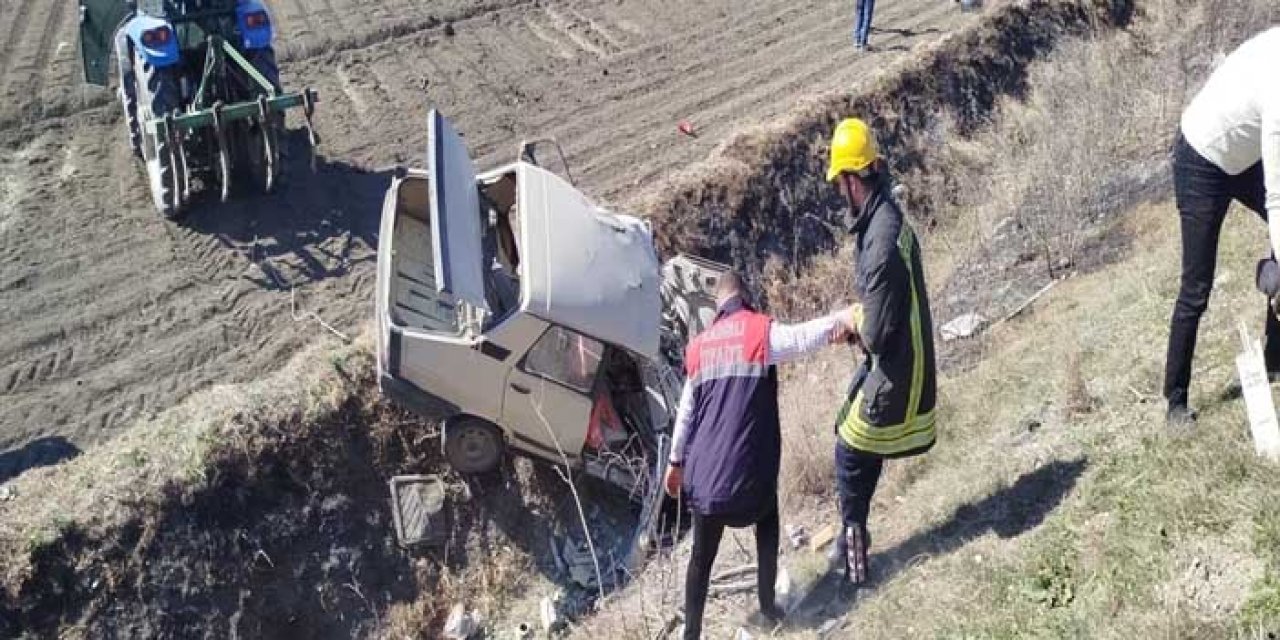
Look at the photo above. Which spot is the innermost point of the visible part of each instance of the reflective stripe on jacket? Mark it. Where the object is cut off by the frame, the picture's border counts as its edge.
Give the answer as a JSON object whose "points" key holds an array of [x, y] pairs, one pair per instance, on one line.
{"points": [[734, 446], [890, 409]]}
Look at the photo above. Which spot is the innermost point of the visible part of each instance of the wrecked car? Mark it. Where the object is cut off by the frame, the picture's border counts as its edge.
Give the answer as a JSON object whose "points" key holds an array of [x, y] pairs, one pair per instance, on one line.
{"points": [[545, 324]]}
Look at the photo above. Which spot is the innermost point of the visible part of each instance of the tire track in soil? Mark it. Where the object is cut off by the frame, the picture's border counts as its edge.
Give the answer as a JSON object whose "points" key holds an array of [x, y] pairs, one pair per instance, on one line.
{"points": [[109, 321], [298, 16], [558, 47], [753, 77], [567, 28], [755, 81], [17, 29], [675, 93], [339, 22], [48, 40], [616, 41]]}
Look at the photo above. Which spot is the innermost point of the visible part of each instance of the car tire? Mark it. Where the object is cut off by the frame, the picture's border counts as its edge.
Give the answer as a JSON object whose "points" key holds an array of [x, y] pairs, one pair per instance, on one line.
{"points": [[473, 446]]}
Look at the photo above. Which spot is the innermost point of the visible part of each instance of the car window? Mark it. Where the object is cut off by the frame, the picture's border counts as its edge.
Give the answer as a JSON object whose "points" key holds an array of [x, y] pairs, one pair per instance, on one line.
{"points": [[564, 356]]}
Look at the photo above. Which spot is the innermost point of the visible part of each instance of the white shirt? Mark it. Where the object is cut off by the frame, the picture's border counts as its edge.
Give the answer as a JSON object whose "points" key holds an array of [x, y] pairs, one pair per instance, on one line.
{"points": [[1235, 119], [786, 343]]}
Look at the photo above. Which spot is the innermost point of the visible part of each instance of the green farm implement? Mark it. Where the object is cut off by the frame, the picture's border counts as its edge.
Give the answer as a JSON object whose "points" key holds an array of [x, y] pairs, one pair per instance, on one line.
{"points": [[200, 90]]}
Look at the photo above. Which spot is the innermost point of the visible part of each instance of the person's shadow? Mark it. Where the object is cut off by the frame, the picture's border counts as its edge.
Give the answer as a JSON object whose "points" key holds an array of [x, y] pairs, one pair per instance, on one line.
{"points": [[1009, 512], [41, 452]]}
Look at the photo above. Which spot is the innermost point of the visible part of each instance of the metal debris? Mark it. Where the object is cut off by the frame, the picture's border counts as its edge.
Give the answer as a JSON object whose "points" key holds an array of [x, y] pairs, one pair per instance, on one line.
{"points": [[460, 625], [417, 507]]}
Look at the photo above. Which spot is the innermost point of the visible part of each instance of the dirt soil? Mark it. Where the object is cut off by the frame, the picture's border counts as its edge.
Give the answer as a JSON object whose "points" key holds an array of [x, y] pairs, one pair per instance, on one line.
{"points": [[112, 314]]}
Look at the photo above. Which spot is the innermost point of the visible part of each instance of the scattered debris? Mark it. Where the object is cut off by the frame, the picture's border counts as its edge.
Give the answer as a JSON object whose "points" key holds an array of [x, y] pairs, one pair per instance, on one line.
{"points": [[824, 537], [734, 572], [1029, 301], [581, 564], [1259, 404], [963, 327], [550, 618], [461, 625], [797, 535], [417, 505]]}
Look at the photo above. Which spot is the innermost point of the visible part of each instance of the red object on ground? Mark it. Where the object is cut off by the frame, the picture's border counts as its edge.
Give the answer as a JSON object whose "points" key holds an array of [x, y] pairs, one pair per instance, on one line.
{"points": [[686, 128]]}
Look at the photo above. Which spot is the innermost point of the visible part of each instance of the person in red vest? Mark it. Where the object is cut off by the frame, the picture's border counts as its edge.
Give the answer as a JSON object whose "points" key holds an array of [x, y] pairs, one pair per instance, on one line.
{"points": [[727, 445]]}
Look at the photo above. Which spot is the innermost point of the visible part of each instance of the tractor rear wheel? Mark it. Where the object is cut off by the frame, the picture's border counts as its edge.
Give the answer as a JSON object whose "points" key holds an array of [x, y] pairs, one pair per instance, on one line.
{"points": [[258, 143], [129, 93], [158, 95]]}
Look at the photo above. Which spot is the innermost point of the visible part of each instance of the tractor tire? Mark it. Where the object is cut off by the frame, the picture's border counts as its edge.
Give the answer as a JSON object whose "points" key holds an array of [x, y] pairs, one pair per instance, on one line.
{"points": [[472, 445], [158, 94], [128, 92], [264, 60], [259, 146]]}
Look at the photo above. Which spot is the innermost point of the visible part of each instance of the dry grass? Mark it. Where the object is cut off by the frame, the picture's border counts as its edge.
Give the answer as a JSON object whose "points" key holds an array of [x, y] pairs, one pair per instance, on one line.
{"points": [[1055, 504], [111, 484]]}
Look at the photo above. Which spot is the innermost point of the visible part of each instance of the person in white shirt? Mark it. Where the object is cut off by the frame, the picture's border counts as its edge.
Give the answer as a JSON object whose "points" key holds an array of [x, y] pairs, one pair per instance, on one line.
{"points": [[1228, 149]]}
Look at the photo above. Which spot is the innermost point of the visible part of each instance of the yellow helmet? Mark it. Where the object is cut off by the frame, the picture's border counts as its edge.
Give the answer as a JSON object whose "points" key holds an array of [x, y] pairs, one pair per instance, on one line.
{"points": [[853, 148]]}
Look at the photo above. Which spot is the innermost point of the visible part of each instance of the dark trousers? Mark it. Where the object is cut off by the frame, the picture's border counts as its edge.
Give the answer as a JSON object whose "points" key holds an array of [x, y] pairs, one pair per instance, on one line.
{"points": [[707, 531], [1203, 193], [862, 26], [857, 475]]}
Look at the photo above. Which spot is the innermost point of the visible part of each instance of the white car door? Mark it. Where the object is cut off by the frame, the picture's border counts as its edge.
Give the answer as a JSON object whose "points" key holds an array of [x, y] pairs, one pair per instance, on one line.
{"points": [[549, 393]]}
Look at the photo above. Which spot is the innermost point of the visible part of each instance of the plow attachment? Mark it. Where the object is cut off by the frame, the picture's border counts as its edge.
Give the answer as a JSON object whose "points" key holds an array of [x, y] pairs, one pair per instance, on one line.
{"points": [[212, 142]]}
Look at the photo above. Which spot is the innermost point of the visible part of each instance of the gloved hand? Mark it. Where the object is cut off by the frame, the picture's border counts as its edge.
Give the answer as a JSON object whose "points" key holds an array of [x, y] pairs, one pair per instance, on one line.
{"points": [[1268, 277]]}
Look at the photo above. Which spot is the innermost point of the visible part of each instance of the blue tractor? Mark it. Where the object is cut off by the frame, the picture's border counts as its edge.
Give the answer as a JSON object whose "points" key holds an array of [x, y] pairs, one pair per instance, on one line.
{"points": [[200, 91]]}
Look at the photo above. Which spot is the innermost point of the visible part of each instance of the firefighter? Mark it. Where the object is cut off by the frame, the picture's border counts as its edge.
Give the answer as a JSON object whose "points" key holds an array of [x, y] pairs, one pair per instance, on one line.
{"points": [[889, 410]]}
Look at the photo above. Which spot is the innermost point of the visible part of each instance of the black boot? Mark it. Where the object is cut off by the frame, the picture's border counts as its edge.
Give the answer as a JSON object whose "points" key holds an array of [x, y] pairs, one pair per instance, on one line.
{"points": [[1179, 415]]}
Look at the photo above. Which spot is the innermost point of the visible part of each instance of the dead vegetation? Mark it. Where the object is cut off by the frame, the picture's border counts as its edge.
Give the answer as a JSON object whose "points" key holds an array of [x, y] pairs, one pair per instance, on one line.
{"points": [[258, 510], [1053, 507]]}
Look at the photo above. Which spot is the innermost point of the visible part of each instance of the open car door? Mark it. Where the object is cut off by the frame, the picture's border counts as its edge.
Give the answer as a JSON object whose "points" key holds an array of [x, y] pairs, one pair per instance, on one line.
{"points": [[431, 289]]}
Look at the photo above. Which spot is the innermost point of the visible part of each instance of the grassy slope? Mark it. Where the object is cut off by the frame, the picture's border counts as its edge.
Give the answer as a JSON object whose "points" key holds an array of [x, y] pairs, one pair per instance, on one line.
{"points": [[1056, 503], [1144, 531]]}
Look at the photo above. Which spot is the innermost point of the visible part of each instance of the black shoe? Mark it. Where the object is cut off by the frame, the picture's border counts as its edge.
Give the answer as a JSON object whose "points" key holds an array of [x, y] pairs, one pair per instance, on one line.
{"points": [[1180, 415], [767, 618]]}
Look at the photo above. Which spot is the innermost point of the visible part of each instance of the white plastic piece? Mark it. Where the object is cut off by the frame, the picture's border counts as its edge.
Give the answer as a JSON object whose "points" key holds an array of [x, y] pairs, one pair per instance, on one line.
{"points": [[459, 625], [549, 616], [963, 327], [1258, 401]]}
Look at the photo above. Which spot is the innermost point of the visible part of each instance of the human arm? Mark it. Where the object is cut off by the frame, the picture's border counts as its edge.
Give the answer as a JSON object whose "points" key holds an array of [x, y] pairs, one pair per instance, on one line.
{"points": [[684, 420], [674, 476], [789, 342]]}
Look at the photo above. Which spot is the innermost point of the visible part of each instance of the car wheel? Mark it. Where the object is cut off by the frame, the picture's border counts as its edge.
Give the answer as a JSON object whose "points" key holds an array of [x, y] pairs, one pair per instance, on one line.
{"points": [[473, 446]]}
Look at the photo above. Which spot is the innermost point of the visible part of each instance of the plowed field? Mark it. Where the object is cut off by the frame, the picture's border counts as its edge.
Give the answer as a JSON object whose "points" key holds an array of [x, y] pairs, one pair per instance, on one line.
{"points": [[110, 313]]}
